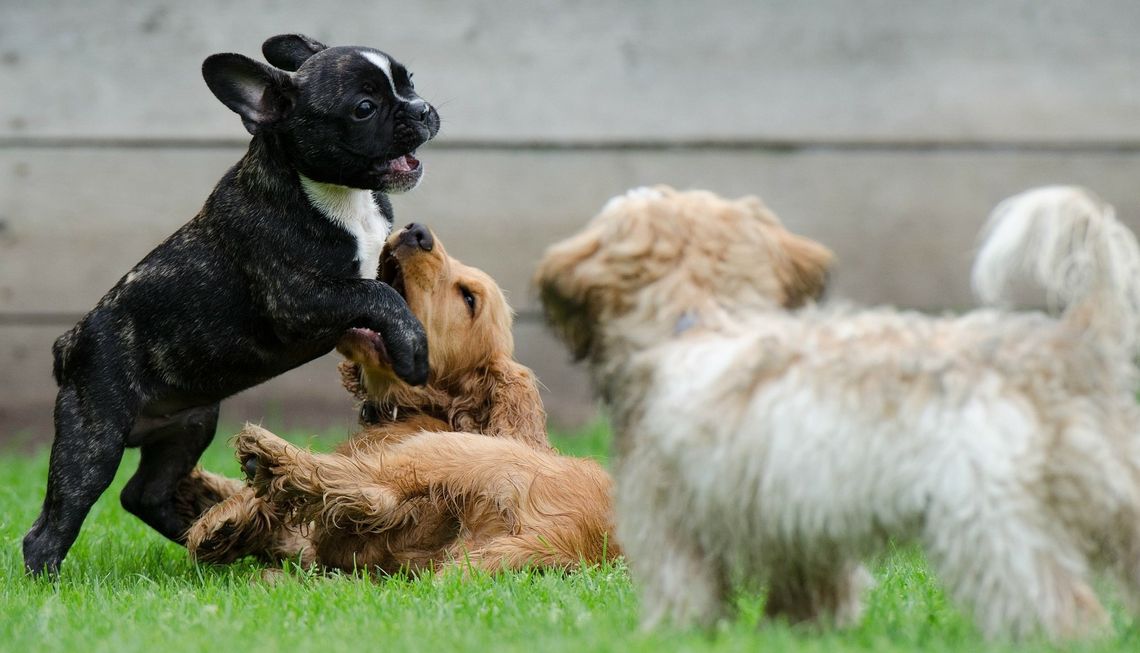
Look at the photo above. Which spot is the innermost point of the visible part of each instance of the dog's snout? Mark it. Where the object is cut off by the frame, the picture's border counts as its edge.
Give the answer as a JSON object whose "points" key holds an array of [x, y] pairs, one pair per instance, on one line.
{"points": [[419, 111], [417, 235]]}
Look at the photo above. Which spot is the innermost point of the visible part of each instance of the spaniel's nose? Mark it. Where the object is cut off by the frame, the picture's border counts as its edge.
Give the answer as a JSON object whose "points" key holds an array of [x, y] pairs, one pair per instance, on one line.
{"points": [[417, 235]]}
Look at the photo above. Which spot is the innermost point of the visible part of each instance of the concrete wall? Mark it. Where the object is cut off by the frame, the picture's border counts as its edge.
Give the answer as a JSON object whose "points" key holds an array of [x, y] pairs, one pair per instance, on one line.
{"points": [[886, 129]]}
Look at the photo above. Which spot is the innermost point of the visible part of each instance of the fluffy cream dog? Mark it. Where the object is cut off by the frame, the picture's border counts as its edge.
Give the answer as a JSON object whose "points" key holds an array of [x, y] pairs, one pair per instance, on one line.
{"points": [[759, 444]]}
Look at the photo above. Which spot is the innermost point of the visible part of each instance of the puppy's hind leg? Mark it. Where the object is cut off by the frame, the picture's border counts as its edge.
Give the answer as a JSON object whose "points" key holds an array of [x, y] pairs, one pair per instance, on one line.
{"points": [[169, 453], [90, 436]]}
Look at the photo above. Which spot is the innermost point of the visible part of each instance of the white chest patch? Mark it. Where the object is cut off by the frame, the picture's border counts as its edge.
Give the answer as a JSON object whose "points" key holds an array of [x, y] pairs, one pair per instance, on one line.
{"points": [[355, 210]]}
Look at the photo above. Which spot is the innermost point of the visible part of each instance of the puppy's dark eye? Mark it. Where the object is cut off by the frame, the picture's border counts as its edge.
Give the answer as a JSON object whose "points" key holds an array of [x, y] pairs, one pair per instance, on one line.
{"points": [[468, 297], [364, 110]]}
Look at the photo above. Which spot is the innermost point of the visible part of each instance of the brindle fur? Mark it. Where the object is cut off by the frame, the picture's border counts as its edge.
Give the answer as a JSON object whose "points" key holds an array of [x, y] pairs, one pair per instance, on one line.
{"points": [[259, 282]]}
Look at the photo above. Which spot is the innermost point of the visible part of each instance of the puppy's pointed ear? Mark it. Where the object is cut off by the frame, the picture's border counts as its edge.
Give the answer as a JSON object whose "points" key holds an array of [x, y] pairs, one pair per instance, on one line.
{"points": [[260, 94], [805, 271], [289, 51]]}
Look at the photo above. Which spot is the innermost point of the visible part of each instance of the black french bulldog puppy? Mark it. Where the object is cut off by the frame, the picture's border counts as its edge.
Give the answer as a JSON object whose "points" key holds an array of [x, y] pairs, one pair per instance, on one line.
{"points": [[279, 263]]}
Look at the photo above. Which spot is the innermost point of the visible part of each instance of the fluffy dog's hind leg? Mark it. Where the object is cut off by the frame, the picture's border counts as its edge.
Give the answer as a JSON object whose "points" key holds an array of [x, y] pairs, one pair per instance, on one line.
{"points": [[1124, 560], [1017, 576], [90, 436], [684, 589], [169, 454], [679, 582], [818, 593]]}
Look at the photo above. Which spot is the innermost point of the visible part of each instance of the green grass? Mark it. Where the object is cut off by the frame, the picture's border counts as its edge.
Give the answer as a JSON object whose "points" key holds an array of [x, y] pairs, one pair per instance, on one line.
{"points": [[125, 589]]}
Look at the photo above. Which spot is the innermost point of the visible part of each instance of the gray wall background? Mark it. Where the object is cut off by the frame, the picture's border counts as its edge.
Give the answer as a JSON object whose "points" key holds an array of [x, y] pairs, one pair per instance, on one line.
{"points": [[884, 128]]}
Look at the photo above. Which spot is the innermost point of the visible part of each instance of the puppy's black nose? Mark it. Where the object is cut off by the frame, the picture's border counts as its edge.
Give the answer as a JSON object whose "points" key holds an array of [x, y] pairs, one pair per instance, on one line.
{"points": [[417, 235], [425, 111]]}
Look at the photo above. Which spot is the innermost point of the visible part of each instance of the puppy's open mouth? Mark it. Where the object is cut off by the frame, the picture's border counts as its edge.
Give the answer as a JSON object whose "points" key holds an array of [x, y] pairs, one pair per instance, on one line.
{"points": [[400, 174], [403, 164]]}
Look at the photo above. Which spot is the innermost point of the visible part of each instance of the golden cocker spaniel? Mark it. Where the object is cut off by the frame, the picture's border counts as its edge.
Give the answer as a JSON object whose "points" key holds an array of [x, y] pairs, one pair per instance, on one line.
{"points": [[457, 472]]}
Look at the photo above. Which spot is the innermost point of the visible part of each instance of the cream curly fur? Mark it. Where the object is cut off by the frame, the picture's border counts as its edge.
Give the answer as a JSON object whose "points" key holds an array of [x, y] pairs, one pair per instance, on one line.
{"points": [[759, 444]]}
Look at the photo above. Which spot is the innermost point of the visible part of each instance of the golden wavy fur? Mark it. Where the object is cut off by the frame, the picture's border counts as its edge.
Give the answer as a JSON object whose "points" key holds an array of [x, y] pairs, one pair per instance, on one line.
{"points": [[475, 383], [760, 444], [496, 502], [442, 500]]}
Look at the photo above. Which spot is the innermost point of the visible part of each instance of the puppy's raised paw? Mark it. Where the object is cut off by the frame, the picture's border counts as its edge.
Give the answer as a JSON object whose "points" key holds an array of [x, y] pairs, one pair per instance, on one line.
{"points": [[249, 468], [281, 474], [262, 455]]}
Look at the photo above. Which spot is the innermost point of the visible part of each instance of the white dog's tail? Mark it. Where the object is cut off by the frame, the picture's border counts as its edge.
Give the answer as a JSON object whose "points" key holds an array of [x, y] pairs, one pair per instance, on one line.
{"points": [[1067, 242]]}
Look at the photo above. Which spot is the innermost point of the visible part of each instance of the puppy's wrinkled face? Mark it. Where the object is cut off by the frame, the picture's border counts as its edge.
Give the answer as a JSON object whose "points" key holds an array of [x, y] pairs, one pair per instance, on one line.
{"points": [[464, 312], [343, 115], [655, 255], [358, 120]]}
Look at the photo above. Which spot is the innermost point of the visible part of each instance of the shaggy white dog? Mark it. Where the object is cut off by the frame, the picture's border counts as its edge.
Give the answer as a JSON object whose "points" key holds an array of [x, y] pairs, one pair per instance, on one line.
{"points": [[757, 443]]}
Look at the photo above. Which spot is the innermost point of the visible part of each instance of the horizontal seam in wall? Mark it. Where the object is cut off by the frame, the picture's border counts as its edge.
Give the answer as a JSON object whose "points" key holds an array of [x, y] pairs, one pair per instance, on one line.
{"points": [[65, 319], [1127, 146]]}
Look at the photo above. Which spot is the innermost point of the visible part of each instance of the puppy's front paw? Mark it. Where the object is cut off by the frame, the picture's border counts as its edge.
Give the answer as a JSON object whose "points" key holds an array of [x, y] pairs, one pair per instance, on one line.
{"points": [[408, 349]]}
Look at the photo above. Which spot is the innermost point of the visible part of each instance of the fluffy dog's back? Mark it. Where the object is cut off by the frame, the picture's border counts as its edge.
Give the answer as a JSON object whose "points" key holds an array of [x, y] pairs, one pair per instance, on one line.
{"points": [[1065, 241]]}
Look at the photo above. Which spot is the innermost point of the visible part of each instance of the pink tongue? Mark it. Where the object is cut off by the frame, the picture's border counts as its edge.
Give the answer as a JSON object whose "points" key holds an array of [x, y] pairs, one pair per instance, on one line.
{"points": [[400, 165]]}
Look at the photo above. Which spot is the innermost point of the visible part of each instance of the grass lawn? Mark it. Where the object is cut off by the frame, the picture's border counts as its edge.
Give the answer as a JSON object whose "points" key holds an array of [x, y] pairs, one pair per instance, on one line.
{"points": [[125, 589]]}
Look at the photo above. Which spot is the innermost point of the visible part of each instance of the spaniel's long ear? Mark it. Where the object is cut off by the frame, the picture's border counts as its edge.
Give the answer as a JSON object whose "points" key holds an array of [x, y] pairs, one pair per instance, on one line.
{"points": [[501, 400], [516, 409], [805, 271]]}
